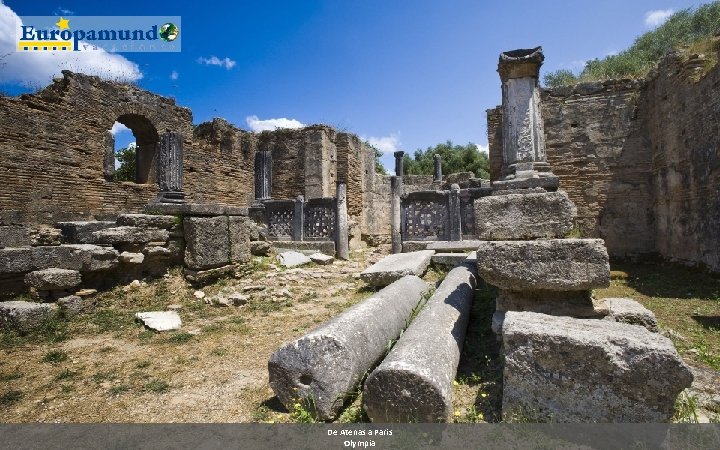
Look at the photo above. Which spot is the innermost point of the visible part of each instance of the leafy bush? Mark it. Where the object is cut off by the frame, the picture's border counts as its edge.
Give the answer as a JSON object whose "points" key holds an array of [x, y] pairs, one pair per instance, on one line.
{"points": [[682, 29], [454, 158]]}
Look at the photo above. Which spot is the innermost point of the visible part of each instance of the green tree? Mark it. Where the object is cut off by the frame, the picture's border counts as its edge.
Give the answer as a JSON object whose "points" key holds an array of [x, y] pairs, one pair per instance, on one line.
{"points": [[559, 78], [127, 158], [454, 159], [379, 168]]}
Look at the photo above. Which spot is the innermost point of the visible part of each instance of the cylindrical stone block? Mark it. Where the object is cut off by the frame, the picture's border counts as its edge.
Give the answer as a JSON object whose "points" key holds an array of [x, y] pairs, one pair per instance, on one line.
{"points": [[323, 367], [438, 168], [343, 242], [414, 382], [395, 222], [399, 155]]}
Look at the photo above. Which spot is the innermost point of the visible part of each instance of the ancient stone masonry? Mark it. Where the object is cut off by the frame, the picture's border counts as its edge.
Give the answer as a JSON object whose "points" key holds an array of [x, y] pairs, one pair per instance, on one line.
{"points": [[546, 318], [638, 158]]}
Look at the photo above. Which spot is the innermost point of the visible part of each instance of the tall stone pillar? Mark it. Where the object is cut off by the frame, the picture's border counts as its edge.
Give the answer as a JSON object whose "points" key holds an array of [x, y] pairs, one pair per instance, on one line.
{"points": [[399, 170], [524, 163], [395, 219], [263, 175], [109, 156], [437, 178], [298, 219], [343, 241], [170, 168], [455, 213]]}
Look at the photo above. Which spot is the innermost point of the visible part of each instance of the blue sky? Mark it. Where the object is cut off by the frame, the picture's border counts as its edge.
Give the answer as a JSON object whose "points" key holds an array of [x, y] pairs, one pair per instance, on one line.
{"points": [[403, 74]]}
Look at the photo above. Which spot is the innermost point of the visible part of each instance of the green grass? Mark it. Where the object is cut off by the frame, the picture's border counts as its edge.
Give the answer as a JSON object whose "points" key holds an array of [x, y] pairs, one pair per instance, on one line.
{"points": [[684, 300], [180, 337], [142, 364], [117, 390], [66, 374], [10, 397], [157, 386], [4, 377], [686, 29], [55, 356]]}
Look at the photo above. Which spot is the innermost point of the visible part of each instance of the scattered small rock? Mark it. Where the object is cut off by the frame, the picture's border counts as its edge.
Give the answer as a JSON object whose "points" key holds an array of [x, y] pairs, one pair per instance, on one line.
{"points": [[131, 258], [238, 299], [293, 258], [160, 320], [253, 288], [322, 259], [283, 293], [86, 292], [199, 295], [174, 307]]}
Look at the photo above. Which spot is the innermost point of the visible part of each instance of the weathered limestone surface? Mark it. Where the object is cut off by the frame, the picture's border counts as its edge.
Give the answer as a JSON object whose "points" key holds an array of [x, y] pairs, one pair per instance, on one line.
{"points": [[160, 320], [452, 246], [323, 366], [134, 258], [129, 235], [321, 258], [72, 305], [14, 236], [414, 381], [260, 248], [82, 257], [571, 370], [394, 267], [451, 259], [82, 232], [53, 279], [627, 310], [554, 264], [524, 216], [163, 222], [213, 242], [23, 317]]}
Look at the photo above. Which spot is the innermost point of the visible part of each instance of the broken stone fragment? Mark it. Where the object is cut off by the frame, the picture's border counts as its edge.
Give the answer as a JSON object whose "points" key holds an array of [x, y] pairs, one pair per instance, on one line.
{"points": [[292, 259], [627, 310], [131, 258], [25, 317], [394, 267], [129, 235], [72, 305], [160, 320], [321, 258], [164, 222], [53, 279], [260, 248], [562, 369]]}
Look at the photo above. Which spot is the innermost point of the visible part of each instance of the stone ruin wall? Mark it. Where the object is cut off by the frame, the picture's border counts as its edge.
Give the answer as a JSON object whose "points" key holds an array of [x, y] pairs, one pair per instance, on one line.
{"points": [[640, 159]]}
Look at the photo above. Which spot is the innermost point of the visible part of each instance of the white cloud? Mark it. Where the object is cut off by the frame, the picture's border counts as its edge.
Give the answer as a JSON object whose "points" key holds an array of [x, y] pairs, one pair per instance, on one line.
{"points": [[174, 75], [483, 148], [386, 144], [258, 125], [215, 61], [60, 11], [657, 17], [118, 128], [37, 68]]}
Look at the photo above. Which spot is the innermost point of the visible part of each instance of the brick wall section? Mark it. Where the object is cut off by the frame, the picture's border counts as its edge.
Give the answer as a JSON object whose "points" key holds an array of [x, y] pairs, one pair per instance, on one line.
{"points": [[683, 128], [594, 142], [219, 166], [52, 148]]}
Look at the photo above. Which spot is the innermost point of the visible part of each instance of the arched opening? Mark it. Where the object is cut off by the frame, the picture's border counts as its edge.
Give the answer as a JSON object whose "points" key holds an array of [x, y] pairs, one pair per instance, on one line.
{"points": [[132, 158]]}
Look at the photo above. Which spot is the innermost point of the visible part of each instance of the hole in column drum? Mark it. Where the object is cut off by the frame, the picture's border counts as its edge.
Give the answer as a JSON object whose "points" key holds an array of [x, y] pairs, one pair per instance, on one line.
{"points": [[305, 379]]}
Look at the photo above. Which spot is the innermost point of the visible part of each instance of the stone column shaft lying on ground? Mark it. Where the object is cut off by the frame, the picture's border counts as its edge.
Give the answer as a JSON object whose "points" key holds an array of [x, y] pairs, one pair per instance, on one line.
{"points": [[414, 382], [561, 369], [321, 368]]}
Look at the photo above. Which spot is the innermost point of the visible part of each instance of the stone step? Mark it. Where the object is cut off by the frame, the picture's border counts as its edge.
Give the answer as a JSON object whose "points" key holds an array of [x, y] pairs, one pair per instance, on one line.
{"points": [[453, 246], [307, 247], [452, 259], [394, 267], [414, 382], [322, 367]]}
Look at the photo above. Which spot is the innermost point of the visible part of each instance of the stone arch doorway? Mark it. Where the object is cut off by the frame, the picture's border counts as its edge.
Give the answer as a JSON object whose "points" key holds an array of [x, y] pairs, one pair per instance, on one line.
{"points": [[146, 153]]}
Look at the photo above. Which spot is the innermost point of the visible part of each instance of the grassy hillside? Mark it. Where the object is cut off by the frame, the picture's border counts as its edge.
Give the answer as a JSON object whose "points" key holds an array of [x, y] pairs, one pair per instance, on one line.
{"points": [[690, 30]]}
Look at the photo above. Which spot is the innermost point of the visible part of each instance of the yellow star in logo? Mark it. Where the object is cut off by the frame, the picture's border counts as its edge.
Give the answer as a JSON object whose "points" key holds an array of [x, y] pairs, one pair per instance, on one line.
{"points": [[63, 23]]}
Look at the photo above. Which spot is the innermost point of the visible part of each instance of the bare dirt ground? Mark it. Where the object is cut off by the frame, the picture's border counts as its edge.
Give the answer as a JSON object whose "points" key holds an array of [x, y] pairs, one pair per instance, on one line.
{"points": [[103, 366]]}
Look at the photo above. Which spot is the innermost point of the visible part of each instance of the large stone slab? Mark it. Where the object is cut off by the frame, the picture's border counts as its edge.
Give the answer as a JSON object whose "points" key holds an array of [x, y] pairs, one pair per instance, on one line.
{"points": [[129, 235], [453, 246], [213, 242], [164, 222], [524, 216], [414, 381], [82, 232], [627, 310], [452, 259], [25, 317], [562, 369], [394, 267], [324, 366], [14, 236], [82, 257], [577, 304], [553, 264], [53, 279], [293, 259]]}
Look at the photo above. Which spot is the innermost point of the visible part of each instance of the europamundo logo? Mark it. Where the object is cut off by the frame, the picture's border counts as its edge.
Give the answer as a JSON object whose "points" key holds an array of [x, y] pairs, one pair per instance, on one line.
{"points": [[109, 33]]}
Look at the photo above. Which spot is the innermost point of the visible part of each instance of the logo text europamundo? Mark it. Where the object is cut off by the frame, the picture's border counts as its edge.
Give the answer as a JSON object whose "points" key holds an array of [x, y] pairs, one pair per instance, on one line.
{"points": [[109, 33]]}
